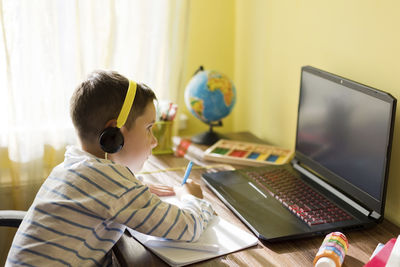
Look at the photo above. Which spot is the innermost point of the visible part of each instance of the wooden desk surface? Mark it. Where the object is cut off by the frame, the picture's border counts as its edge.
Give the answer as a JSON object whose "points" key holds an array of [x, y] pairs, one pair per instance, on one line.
{"points": [[288, 253]]}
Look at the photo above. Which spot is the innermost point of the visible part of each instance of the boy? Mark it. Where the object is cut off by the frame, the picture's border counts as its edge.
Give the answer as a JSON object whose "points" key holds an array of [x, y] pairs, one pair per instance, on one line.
{"points": [[85, 204]]}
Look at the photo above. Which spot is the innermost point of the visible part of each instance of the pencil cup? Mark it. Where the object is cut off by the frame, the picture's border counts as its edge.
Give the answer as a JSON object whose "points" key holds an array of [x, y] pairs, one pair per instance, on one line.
{"points": [[162, 130]]}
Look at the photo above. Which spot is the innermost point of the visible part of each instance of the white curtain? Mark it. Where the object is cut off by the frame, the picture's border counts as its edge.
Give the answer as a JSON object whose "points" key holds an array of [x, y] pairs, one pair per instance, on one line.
{"points": [[48, 46]]}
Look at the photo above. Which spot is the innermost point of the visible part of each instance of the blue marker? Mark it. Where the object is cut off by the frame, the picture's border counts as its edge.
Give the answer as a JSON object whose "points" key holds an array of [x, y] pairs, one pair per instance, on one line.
{"points": [[188, 169]]}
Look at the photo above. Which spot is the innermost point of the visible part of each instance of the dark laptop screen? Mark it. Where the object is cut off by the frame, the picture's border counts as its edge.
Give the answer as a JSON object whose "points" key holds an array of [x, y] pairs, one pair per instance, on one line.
{"points": [[344, 127]]}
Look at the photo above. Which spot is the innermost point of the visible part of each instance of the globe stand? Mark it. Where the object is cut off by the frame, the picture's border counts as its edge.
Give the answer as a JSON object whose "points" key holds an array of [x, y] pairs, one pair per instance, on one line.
{"points": [[208, 138]]}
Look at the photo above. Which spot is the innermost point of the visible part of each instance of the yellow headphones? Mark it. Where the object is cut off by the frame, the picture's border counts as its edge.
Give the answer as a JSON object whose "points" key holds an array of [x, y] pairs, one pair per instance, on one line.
{"points": [[111, 139]]}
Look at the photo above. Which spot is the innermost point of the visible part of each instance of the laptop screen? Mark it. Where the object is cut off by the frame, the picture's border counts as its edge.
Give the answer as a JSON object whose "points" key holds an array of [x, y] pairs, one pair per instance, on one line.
{"points": [[345, 128]]}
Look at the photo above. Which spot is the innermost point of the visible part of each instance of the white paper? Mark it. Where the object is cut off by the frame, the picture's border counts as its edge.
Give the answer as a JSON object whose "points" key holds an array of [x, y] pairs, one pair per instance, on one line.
{"points": [[225, 235]]}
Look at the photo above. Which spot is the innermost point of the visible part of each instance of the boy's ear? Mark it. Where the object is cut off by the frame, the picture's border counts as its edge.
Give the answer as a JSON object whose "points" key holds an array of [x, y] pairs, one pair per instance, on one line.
{"points": [[111, 123]]}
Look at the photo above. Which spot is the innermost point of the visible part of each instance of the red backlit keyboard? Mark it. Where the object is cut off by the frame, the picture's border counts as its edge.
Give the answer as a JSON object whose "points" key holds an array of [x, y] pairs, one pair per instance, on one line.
{"points": [[303, 201]]}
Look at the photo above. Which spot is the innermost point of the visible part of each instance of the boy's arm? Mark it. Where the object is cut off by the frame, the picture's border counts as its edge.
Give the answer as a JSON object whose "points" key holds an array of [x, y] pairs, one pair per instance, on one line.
{"points": [[145, 212]]}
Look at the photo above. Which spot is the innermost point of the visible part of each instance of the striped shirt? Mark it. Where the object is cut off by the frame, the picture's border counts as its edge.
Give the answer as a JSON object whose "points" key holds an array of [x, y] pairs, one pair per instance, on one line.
{"points": [[83, 208]]}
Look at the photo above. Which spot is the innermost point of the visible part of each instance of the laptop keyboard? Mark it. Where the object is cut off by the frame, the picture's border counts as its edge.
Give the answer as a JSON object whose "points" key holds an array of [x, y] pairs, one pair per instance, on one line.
{"points": [[303, 201]]}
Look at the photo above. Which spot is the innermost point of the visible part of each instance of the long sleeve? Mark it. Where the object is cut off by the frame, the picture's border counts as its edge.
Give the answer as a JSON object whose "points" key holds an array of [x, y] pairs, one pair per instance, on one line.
{"points": [[147, 213], [81, 210]]}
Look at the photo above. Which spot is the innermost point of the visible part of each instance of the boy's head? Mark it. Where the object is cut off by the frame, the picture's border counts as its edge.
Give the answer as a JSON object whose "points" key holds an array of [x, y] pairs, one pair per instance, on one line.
{"points": [[97, 102]]}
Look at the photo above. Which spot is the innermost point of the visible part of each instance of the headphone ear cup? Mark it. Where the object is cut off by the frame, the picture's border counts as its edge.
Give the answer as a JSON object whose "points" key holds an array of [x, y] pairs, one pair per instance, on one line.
{"points": [[111, 140]]}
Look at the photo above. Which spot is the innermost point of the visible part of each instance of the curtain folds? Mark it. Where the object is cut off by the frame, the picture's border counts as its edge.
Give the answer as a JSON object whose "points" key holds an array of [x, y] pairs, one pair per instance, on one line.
{"points": [[47, 47]]}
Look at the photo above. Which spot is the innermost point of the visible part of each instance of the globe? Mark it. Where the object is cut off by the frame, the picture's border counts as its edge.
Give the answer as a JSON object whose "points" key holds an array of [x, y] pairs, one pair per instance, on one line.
{"points": [[210, 96]]}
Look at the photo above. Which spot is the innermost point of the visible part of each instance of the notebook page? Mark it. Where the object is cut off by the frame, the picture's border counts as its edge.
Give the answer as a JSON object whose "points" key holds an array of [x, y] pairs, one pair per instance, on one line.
{"points": [[225, 235]]}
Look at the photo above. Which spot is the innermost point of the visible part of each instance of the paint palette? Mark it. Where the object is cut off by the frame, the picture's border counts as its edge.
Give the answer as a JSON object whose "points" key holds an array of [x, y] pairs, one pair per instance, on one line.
{"points": [[244, 153]]}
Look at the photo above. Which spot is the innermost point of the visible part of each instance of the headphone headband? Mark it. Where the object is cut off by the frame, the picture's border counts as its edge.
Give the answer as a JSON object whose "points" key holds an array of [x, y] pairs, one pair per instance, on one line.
{"points": [[127, 105], [111, 139]]}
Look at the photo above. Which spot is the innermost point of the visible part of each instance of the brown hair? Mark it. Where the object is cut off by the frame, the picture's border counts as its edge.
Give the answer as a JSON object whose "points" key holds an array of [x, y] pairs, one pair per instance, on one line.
{"points": [[99, 99]]}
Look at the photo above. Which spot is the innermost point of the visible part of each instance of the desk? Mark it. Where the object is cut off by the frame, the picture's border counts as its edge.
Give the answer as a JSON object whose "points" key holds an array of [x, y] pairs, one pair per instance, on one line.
{"points": [[288, 253]]}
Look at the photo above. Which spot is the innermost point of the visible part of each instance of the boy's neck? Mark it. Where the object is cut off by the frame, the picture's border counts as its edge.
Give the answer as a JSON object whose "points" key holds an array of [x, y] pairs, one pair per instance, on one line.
{"points": [[93, 149]]}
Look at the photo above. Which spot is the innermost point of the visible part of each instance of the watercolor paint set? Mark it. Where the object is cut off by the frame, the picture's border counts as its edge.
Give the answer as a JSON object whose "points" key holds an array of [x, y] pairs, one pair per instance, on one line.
{"points": [[245, 153]]}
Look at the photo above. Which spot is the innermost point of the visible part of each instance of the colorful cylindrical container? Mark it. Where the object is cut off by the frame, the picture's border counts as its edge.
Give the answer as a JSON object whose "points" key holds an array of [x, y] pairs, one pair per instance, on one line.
{"points": [[332, 251]]}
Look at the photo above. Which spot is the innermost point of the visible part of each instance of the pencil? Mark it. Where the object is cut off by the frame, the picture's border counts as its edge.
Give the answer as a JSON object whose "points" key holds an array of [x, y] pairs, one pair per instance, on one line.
{"points": [[187, 172]]}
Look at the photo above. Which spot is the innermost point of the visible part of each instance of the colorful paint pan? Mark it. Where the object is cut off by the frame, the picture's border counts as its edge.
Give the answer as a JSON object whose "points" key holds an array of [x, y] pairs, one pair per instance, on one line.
{"points": [[246, 153], [272, 158], [253, 155], [262, 157], [220, 150], [238, 153]]}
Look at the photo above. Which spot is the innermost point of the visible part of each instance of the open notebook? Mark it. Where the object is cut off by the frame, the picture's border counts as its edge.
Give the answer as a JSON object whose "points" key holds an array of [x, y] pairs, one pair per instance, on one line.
{"points": [[220, 238]]}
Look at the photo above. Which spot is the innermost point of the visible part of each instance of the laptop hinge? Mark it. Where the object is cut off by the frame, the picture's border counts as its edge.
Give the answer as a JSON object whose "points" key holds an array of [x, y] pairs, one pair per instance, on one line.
{"points": [[375, 215], [332, 189]]}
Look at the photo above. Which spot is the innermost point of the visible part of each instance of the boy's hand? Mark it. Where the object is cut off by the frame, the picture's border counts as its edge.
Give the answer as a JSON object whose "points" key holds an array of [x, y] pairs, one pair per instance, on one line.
{"points": [[189, 187], [162, 190]]}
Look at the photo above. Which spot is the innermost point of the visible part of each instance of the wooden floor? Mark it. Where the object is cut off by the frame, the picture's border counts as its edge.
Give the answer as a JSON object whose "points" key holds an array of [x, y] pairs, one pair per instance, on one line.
{"points": [[14, 198]]}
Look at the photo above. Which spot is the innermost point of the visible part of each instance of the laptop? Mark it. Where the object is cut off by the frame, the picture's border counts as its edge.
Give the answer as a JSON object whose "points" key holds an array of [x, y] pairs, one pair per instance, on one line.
{"points": [[338, 176]]}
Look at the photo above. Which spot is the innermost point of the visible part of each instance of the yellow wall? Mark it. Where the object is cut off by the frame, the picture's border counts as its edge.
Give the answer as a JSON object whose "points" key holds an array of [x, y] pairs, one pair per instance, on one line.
{"points": [[211, 44], [262, 44], [357, 39]]}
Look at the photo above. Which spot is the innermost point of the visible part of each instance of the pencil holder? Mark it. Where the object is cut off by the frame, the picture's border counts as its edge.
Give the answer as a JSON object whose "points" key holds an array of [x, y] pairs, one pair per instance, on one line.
{"points": [[162, 130]]}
